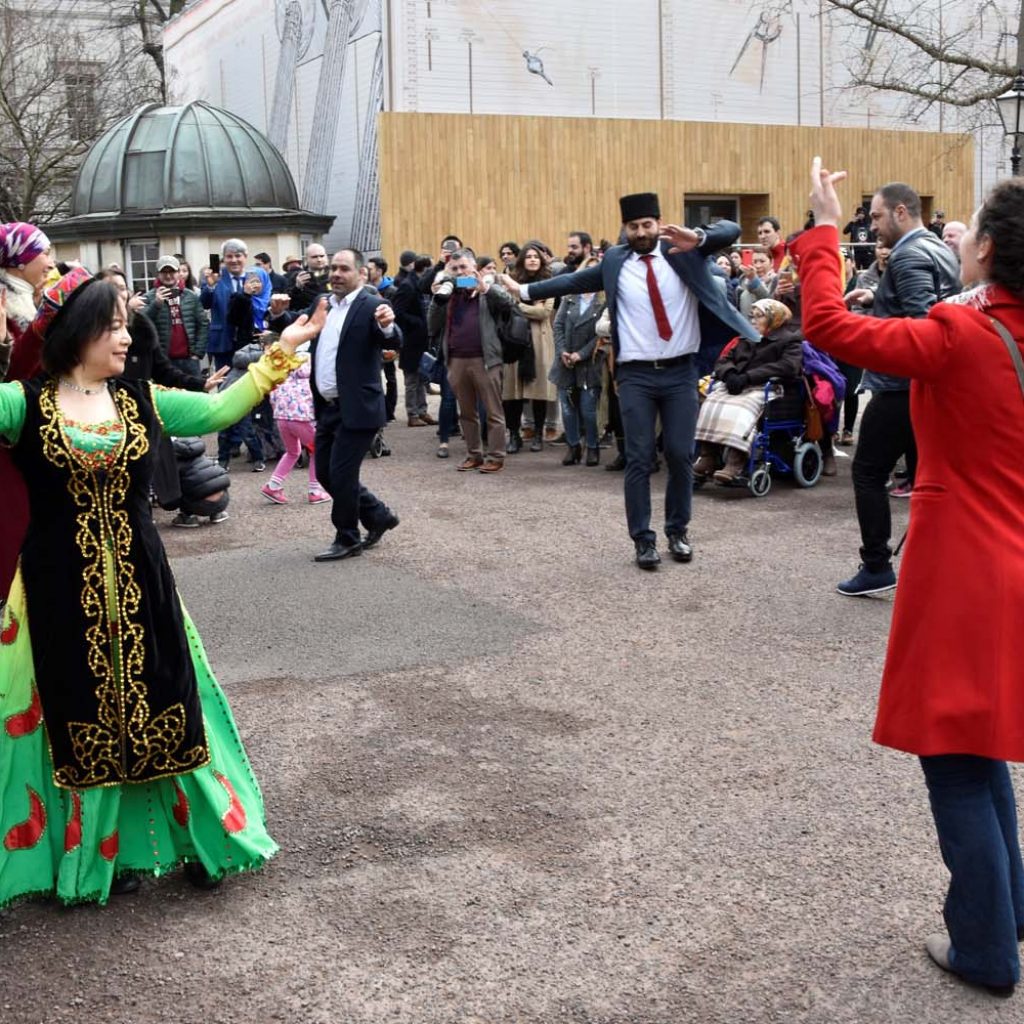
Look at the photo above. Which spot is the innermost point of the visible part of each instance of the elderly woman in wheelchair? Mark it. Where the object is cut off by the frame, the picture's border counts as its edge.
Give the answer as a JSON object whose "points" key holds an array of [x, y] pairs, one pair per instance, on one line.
{"points": [[736, 398]]}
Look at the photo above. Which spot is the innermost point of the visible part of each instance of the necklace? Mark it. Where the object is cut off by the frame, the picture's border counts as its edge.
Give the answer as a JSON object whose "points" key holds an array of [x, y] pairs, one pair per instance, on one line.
{"points": [[72, 386]]}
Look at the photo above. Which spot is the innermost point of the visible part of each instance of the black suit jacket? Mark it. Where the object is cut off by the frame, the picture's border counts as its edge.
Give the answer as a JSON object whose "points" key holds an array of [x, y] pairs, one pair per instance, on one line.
{"points": [[358, 365]]}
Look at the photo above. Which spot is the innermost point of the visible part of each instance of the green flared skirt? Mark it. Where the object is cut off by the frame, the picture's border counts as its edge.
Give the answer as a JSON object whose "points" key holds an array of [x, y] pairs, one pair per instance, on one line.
{"points": [[72, 844]]}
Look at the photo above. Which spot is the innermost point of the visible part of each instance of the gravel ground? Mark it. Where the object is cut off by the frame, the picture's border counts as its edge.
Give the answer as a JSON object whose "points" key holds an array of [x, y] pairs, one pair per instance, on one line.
{"points": [[517, 781]]}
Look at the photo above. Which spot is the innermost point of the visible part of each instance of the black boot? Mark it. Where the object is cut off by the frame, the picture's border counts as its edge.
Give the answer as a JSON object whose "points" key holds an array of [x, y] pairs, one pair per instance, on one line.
{"points": [[618, 464], [573, 455], [593, 456], [515, 442]]}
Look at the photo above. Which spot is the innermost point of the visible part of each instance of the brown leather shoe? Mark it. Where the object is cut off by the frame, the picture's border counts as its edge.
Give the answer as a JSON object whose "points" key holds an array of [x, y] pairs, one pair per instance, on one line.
{"points": [[417, 421], [471, 463], [492, 467], [526, 433], [428, 419]]}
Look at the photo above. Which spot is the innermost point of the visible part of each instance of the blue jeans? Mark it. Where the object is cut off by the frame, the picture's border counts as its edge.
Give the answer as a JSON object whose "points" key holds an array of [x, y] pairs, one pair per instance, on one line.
{"points": [[588, 399], [448, 416], [244, 431], [976, 819], [644, 393]]}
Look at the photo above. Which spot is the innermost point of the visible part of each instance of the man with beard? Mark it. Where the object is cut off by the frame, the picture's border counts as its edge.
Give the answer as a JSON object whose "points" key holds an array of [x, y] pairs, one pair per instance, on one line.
{"points": [[920, 272], [579, 248], [669, 320]]}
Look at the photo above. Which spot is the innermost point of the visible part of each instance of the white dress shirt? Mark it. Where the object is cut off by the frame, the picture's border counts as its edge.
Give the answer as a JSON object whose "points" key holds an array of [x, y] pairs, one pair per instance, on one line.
{"points": [[326, 366], [636, 327]]}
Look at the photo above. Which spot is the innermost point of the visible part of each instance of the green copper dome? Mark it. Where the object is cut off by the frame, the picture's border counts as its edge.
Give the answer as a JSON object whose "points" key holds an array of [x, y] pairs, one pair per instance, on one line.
{"points": [[195, 157]]}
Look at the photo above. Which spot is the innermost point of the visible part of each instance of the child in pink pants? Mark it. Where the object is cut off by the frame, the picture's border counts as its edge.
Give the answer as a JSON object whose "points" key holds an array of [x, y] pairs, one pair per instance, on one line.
{"points": [[292, 402]]}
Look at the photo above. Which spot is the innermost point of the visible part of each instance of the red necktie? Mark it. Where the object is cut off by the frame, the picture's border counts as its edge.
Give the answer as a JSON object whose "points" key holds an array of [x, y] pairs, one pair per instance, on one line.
{"points": [[660, 316]]}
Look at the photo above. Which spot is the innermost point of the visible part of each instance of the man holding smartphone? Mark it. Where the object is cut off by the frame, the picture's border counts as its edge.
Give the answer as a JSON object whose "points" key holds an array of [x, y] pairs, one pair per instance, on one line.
{"points": [[180, 321]]}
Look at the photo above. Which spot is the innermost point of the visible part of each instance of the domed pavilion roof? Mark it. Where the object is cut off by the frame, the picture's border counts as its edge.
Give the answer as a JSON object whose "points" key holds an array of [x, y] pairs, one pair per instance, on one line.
{"points": [[181, 169]]}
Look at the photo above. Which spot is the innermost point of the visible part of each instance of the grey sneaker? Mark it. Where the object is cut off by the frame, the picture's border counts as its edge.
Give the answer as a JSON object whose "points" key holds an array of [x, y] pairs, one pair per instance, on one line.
{"points": [[185, 520], [867, 582], [219, 517]]}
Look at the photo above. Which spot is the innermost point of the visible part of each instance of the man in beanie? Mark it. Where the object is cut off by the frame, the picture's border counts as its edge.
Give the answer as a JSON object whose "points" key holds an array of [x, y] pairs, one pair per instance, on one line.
{"points": [[669, 321]]}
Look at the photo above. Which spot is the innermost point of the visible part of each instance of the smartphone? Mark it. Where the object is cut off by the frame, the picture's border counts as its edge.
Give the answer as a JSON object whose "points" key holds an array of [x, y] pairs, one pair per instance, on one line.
{"points": [[466, 282], [747, 257], [215, 262]]}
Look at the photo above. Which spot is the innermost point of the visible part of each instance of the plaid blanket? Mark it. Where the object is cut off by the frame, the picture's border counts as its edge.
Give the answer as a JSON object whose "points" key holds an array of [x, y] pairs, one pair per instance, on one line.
{"points": [[730, 419]]}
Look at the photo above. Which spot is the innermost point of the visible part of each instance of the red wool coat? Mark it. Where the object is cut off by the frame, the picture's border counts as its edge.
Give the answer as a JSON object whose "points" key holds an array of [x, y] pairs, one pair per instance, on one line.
{"points": [[954, 672]]}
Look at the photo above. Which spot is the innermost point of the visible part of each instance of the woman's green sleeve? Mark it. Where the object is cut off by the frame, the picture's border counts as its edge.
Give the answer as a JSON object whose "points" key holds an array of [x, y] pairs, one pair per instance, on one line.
{"points": [[188, 413], [12, 410]]}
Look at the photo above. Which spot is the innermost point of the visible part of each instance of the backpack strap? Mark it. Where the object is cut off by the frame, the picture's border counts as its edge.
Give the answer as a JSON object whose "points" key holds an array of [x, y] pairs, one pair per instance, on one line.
{"points": [[1011, 347]]}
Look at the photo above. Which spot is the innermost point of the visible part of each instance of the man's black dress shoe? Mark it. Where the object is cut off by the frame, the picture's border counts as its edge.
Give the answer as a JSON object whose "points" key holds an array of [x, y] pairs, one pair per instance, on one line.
{"points": [[337, 551], [374, 535], [617, 464], [647, 556], [679, 546], [124, 885]]}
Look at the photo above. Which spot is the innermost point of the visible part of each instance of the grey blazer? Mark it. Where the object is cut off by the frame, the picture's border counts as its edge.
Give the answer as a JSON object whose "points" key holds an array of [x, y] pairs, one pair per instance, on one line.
{"points": [[574, 332]]}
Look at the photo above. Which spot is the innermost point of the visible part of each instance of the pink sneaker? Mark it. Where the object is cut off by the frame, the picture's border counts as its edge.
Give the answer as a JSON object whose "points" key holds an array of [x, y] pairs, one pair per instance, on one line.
{"points": [[316, 497], [903, 491], [274, 494]]}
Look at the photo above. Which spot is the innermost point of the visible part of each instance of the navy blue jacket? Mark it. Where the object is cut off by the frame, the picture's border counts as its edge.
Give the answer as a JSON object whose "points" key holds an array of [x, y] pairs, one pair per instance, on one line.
{"points": [[720, 321]]}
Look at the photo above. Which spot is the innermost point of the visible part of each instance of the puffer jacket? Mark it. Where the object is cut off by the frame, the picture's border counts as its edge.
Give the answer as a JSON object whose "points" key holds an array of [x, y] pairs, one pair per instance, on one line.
{"points": [[201, 477], [778, 354]]}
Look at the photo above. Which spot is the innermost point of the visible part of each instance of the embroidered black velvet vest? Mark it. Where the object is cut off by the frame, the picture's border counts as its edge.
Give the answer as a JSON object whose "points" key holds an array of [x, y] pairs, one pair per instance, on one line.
{"points": [[112, 663]]}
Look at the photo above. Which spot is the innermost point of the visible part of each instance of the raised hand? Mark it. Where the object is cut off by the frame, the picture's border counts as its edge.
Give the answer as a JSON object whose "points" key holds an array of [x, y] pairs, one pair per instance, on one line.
{"points": [[215, 378], [681, 239], [824, 201], [306, 328]]}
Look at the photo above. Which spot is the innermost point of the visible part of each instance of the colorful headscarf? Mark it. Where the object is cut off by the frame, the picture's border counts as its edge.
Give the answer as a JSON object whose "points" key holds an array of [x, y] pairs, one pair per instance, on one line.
{"points": [[774, 312], [20, 244], [56, 295]]}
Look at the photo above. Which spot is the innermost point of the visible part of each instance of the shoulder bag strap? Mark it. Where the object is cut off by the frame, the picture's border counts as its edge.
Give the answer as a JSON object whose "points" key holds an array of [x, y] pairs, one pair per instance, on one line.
{"points": [[1011, 347]]}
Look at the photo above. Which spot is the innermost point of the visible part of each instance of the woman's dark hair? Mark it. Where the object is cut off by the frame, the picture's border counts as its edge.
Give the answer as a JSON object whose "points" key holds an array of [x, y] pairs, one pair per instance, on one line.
{"points": [[87, 313], [1001, 218], [190, 281], [521, 274]]}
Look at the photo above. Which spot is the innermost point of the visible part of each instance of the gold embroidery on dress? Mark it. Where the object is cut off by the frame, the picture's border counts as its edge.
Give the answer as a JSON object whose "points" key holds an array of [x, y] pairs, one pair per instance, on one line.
{"points": [[111, 597]]}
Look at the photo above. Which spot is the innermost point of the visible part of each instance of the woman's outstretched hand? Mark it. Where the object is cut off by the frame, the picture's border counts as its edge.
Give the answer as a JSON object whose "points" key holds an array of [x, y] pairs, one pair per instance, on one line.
{"points": [[306, 328], [824, 201]]}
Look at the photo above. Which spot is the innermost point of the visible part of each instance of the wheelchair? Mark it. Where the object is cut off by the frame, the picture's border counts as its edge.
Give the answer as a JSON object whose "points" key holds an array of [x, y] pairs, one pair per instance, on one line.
{"points": [[779, 443]]}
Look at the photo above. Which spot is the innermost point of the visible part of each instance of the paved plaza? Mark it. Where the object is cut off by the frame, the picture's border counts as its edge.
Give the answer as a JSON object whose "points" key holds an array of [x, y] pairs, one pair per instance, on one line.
{"points": [[517, 781]]}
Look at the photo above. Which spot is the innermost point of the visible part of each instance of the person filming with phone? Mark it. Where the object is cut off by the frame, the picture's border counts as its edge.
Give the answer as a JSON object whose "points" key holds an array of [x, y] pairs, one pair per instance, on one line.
{"points": [[464, 312], [180, 321]]}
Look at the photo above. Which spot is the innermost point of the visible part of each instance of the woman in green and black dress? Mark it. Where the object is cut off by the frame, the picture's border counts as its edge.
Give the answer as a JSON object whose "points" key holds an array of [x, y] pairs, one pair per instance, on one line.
{"points": [[118, 753]]}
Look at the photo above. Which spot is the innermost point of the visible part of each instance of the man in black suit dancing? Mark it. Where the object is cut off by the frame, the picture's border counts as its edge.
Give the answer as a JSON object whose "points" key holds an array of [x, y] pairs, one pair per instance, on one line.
{"points": [[349, 401]]}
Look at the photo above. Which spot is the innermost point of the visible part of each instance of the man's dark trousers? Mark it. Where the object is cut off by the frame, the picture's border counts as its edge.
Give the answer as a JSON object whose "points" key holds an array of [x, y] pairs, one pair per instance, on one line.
{"points": [[644, 393], [886, 433], [339, 454]]}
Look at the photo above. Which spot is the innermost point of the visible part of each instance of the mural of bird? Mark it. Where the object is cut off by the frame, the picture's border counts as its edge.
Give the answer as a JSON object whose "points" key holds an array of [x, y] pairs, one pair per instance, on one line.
{"points": [[535, 65]]}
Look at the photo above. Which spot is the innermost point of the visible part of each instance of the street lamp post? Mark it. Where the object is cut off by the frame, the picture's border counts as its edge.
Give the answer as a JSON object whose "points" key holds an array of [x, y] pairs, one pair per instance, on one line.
{"points": [[1011, 110]]}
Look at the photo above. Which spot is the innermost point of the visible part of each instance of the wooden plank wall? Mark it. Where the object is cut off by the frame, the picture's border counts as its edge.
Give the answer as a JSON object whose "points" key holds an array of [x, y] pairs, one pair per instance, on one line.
{"points": [[489, 178]]}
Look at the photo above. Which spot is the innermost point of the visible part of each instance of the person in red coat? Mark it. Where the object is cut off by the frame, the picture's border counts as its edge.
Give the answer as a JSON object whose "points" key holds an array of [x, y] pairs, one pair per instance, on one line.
{"points": [[24, 264], [951, 690]]}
